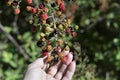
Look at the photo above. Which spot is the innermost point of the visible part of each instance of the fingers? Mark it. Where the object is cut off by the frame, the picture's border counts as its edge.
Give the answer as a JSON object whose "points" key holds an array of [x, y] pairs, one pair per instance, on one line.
{"points": [[38, 63], [53, 70], [63, 67], [70, 71], [49, 77]]}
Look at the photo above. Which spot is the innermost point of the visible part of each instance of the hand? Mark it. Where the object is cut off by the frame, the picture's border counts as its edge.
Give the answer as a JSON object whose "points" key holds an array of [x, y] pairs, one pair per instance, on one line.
{"points": [[59, 71]]}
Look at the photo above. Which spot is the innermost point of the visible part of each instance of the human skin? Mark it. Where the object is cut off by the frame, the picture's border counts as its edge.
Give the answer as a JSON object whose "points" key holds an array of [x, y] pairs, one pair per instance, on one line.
{"points": [[59, 71]]}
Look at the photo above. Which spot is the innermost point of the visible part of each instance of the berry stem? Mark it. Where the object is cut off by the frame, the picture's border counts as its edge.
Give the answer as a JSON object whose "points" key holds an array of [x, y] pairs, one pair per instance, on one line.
{"points": [[54, 21]]}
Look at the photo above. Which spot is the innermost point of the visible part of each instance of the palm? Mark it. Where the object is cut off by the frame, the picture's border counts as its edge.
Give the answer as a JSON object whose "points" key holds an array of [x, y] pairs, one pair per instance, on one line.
{"points": [[59, 71]]}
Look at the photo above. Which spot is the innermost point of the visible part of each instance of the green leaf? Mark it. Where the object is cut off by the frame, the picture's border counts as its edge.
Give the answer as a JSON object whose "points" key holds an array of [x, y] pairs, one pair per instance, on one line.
{"points": [[118, 56], [7, 56], [8, 29], [13, 64]]}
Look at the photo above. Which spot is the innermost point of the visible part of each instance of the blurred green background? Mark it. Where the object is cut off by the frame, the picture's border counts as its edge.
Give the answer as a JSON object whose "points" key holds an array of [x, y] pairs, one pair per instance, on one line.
{"points": [[99, 38]]}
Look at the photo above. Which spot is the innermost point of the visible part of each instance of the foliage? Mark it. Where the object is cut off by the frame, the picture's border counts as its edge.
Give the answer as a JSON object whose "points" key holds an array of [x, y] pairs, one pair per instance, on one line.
{"points": [[99, 38]]}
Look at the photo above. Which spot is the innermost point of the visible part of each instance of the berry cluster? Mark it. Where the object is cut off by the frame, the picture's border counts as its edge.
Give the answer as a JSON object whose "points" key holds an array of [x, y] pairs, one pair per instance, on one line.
{"points": [[15, 4], [55, 28]]}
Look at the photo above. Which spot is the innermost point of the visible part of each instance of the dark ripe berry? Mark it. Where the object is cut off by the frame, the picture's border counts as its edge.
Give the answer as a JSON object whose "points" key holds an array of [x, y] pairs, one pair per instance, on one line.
{"points": [[33, 29], [55, 32], [41, 6], [49, 20], [70, 27], [44, 53], [56, 59], [51, 34], [39, 44], [53, 5], [15, 3]]}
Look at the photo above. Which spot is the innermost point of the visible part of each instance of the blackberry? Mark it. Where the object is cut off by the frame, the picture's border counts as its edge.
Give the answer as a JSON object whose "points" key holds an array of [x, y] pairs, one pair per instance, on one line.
{"points": [[53, 5], [39, 44], [15, 3]]}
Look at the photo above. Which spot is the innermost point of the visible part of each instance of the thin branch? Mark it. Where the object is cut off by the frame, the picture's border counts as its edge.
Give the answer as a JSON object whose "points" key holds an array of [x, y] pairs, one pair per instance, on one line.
{"points": [[14, 24], [54, 21], [10, 37]]}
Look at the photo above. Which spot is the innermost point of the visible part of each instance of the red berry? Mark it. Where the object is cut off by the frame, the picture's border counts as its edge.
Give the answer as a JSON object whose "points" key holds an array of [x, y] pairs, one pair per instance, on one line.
{"points": [[64, 59], [74, 34], [68, 30], [34, 10], [29, 1], [45, 53], [16, 11], [44, 16], [62, 6]]}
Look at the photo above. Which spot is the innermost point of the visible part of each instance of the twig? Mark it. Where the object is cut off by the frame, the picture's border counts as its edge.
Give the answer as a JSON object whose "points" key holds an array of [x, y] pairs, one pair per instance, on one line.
{"points": [[10, 37], [14, 24], [54, 20]]}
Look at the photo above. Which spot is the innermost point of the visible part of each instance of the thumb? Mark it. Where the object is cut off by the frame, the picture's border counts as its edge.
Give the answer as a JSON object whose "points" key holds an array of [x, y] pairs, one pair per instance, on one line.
{"points": [[37, 63]]}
